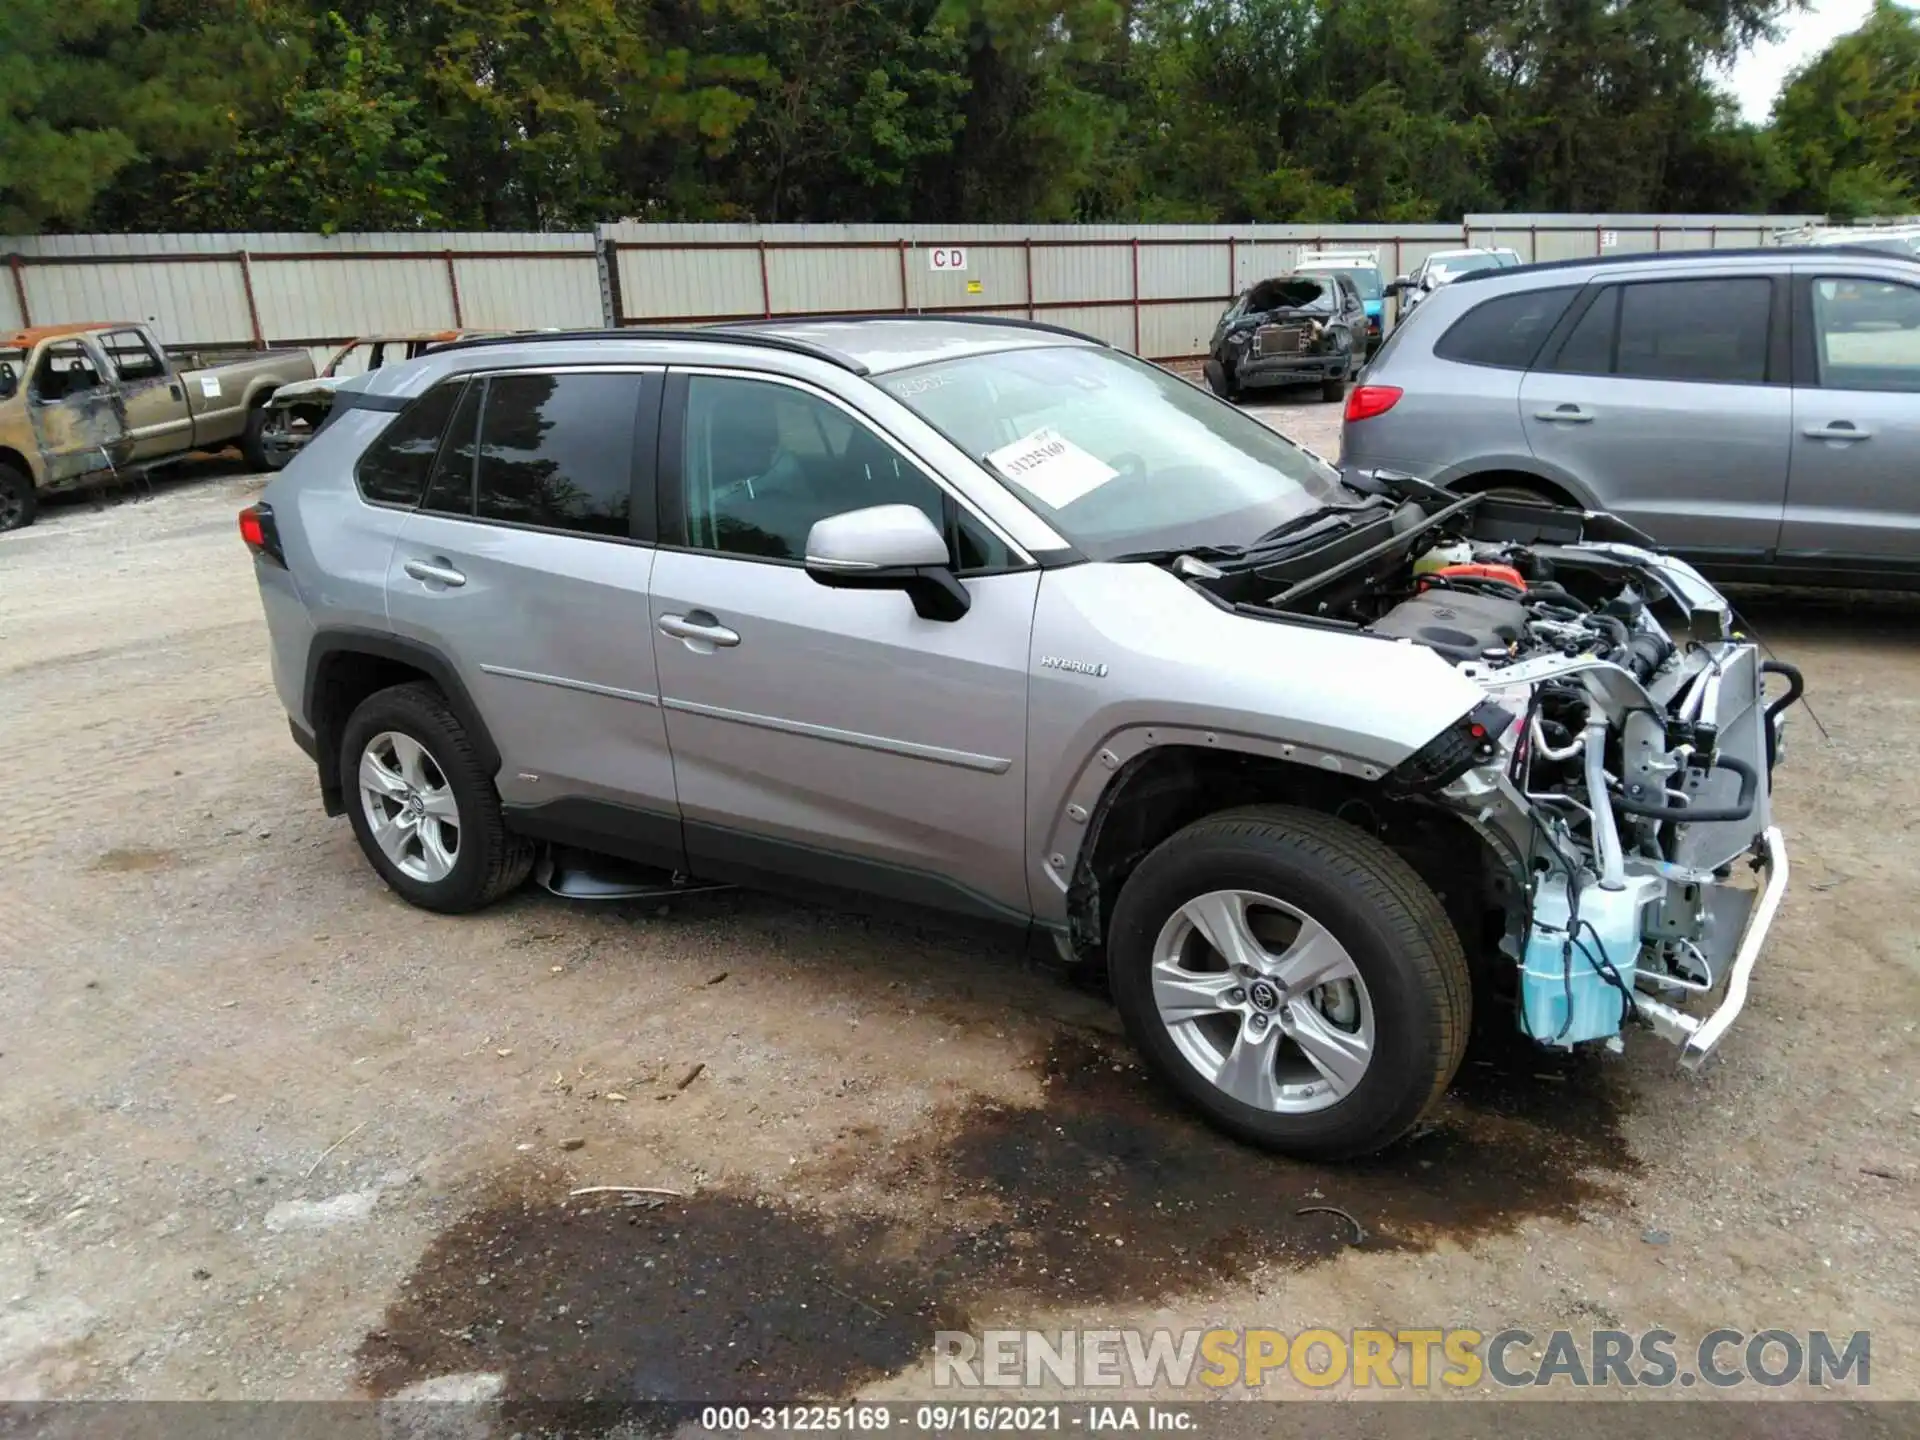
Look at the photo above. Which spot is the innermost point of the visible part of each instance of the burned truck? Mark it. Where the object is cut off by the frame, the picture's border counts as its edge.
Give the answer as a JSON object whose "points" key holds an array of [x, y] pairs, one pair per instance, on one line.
{"points": [[89, 401], [1290, 330]]}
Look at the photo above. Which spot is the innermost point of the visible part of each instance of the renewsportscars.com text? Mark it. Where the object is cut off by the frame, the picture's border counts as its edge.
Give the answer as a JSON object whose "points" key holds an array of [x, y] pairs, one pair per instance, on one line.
{"points": [[1317, 1359]]}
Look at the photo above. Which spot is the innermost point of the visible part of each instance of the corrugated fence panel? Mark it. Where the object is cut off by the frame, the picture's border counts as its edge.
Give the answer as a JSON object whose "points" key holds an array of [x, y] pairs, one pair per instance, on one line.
{"points": [[666, 283], [1082, 273], [308, 288], [999, 270], [1172, 332], [509, 293], [805, 281], [1183, 272], [320, 299], [186, 302]]}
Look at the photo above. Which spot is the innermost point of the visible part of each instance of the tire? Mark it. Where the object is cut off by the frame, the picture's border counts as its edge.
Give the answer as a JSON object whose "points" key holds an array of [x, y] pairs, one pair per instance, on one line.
{"points": [[19, 501], [253, 441], [484, 860], [1222, 386], [1405, 986], [1335, 390]]}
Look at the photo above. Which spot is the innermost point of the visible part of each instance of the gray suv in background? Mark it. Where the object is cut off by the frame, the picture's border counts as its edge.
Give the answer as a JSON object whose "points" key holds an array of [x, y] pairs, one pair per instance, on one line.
{"points": [[992, 620], [1756, 411]]}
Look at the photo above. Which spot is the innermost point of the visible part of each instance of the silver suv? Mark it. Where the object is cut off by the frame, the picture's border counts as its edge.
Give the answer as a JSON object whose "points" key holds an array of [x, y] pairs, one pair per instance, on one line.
{"points": [[993, 620], [1756, 411]]}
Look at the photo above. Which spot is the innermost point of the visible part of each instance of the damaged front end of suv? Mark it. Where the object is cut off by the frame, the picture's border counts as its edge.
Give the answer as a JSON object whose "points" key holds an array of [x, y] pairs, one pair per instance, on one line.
{"points": [[1618, 769]]}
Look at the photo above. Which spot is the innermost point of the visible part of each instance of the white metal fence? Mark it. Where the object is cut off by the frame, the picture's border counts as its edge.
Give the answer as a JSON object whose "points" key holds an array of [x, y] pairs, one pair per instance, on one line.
{"points": [[1152, 289]]}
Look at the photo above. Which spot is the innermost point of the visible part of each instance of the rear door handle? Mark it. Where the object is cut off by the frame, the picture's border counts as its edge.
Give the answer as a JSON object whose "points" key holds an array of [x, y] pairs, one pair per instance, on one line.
{"points": [[1570, 414], [436, 571], [1838, 430], [698, 625]]}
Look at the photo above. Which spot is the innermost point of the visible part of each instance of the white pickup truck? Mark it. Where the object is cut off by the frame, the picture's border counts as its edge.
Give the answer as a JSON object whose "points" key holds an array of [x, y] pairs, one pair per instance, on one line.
{"points": [[86, 401]]}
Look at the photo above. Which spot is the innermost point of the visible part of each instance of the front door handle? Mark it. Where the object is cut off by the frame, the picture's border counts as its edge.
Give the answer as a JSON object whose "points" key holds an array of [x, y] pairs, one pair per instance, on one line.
{"points": [[436, 571], [1570, 414], [697, 626], [1838, 430]]}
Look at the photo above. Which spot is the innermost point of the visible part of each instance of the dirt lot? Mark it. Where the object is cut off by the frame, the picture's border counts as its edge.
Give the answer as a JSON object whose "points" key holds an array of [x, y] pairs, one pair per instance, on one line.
{"points": [[271, 1133]]}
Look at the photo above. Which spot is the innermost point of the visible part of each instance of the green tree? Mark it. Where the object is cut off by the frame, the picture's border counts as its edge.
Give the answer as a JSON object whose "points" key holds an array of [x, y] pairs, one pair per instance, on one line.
{"points": [[1848, 124], [346, 148], [91, 91]]}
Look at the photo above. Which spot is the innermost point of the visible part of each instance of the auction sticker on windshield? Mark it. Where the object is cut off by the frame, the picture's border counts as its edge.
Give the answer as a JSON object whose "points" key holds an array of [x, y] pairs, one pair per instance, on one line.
{"points": [[1056, 470]]}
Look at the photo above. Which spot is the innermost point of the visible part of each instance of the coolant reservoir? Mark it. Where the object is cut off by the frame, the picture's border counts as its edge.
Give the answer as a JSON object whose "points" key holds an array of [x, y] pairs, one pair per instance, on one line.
{"points": [[1565, 996], [1458, 553]]}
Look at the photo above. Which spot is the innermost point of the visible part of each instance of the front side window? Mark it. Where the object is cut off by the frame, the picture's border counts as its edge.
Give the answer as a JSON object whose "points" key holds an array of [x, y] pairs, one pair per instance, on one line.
{"points": [[394, 469], [1866, 334], [762, 463], [1506, 332], [556, 451], [1702, 330], [65, 369], [1117, 454], [132, 358]]}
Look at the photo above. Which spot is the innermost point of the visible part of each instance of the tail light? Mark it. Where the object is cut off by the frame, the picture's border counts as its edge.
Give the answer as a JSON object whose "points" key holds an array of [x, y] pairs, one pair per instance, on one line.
{"points": [[1366, 401], [262, 535]]}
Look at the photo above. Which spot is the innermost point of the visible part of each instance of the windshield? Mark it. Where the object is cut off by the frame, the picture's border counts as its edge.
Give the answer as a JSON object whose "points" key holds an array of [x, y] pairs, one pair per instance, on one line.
{"points": [[1290, 292], [1367, 281], [1118, 454], [1454, 266]]}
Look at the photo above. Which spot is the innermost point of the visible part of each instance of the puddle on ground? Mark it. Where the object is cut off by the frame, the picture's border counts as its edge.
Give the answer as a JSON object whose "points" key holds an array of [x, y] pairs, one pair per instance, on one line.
{"points": [[132, 859], [1104, 1192]]}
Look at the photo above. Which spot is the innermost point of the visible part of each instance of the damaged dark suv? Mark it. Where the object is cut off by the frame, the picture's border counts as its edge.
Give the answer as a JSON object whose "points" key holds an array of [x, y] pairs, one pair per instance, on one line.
{"points": [[1290, 330]]}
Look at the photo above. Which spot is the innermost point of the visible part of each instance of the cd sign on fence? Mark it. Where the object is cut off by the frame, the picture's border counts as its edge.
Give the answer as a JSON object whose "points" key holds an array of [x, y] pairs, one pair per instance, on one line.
{"points": [[947, 257]]}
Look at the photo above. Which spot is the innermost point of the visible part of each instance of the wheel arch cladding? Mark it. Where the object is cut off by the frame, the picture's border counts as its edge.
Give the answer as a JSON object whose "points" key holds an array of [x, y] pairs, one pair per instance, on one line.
{"points": [[1161, 791], [344, 667]]}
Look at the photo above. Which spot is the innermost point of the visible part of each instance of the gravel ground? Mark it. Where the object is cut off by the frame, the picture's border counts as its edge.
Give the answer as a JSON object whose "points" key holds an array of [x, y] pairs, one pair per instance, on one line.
{"points": [[274, 1134]]}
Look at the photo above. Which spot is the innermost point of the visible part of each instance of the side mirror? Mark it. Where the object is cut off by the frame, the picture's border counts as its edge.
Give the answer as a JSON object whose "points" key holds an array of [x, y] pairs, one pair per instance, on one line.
{"points": [[888, 547], [9, 381], [1397, 284]]}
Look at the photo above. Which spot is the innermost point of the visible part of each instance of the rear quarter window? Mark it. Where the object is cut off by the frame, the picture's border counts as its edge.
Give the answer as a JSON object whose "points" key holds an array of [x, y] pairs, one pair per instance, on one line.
{"points": [[394, 468], [1507, 331]]}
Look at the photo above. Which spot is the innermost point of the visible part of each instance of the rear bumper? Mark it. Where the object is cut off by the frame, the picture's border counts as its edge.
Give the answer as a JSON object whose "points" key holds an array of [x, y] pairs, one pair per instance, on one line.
{"points": [[1698, 1037]]}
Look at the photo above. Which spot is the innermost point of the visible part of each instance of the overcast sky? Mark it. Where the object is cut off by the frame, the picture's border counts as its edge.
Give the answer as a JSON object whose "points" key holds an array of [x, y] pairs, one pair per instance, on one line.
{"points": [[1758, 75]]}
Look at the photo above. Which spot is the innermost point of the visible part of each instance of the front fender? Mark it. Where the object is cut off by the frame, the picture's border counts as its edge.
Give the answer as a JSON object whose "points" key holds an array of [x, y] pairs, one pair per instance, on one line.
{"points": [[1127, 657]]}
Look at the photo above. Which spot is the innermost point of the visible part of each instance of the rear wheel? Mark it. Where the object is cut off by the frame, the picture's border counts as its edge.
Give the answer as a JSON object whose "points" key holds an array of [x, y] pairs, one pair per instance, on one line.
{"points": [[423, 807], [19, 501], [253, 442], [1291, 978]]}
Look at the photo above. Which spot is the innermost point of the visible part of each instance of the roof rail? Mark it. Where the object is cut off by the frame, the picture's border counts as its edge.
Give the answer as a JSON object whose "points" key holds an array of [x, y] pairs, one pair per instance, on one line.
{"points": [[750, 327], [1633, 257], [729, 335]]}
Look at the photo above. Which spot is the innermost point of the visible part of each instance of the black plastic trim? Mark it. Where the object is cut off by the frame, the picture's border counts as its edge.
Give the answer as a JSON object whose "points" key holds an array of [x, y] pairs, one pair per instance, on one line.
{"points": [[302, 737], [994, 321], [647, 837], [346, 640], [804, 871], [1680, 259], [670, 498], [705, 332]]}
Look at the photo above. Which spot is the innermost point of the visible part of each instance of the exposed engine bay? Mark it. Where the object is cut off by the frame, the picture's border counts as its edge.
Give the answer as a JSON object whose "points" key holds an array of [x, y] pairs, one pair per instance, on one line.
{"points": [[1620, 766]]}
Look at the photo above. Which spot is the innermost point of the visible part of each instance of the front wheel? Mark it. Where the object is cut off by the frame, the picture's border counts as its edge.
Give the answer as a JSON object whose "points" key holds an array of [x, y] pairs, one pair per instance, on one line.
{"points": [[1335, 390], [19, 501], [422, 805], [1291, 978]]}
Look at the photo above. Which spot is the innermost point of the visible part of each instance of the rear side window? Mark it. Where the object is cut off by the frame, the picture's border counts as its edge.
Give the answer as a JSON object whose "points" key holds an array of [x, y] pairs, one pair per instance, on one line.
{"points": [[1507, 331], [452, 489], [394, 469], [556, 451], [1588, 349], [1712, 330]]}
